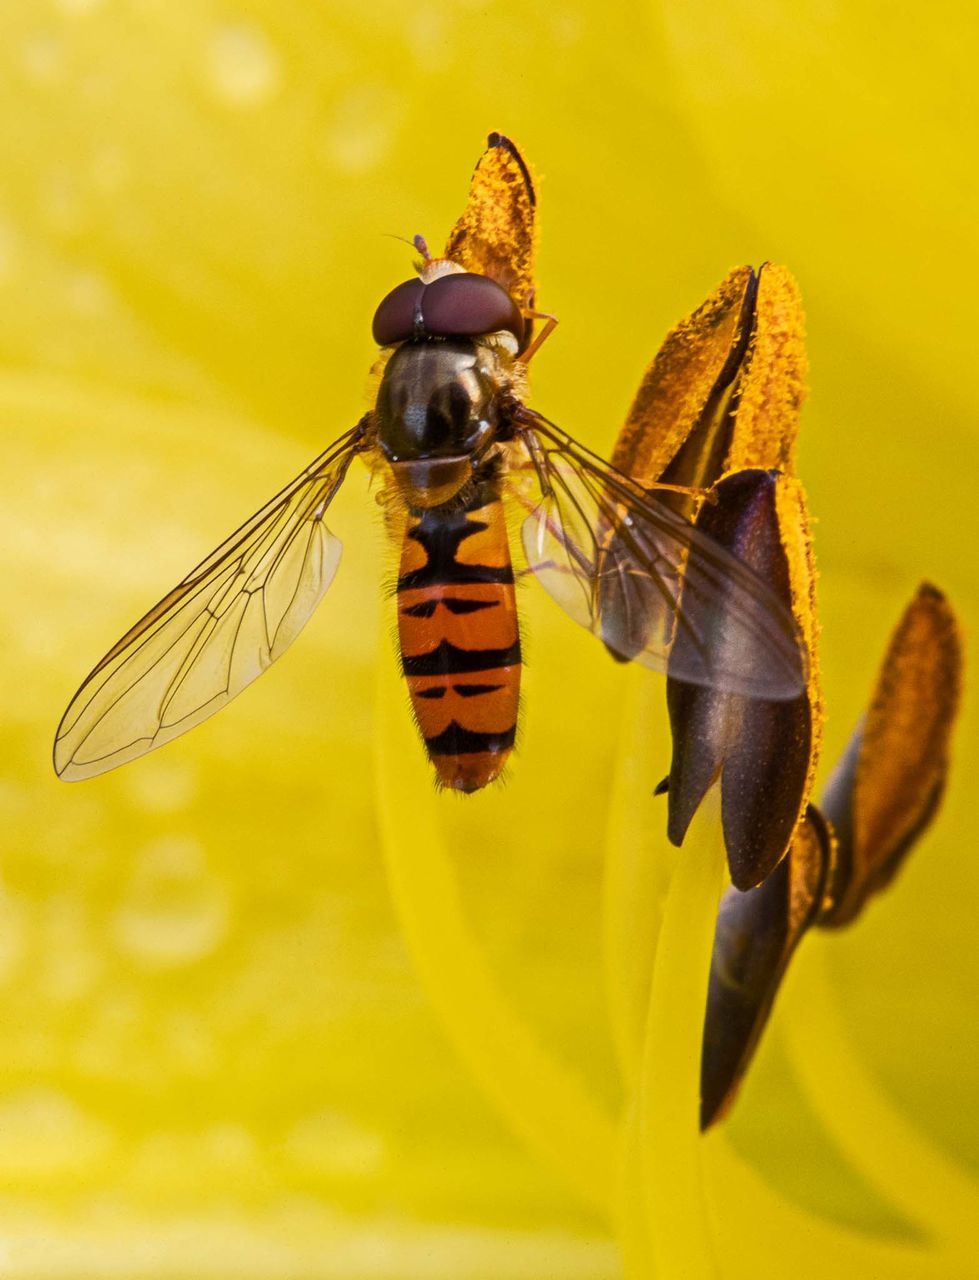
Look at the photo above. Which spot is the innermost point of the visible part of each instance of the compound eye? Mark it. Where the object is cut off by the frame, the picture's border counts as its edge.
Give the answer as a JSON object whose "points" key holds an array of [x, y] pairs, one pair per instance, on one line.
{"points": [[465, 305], [394, 319]]}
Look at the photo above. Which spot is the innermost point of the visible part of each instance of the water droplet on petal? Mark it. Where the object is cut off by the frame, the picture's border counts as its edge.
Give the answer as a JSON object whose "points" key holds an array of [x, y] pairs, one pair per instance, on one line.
{"points": [[230, 1146], [428, 39], [13, 935], [330, 1143], [68, 962], [42, 57], [244, 67], [61, 202], [162, 786], [43, 1133], [362, 130], [109, 170], [175, 910], [7, 251], [88, 293], [566, 28]]}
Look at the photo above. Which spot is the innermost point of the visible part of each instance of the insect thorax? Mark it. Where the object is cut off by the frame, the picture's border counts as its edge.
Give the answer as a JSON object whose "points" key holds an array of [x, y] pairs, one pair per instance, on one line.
{"points": [[440, 399]]}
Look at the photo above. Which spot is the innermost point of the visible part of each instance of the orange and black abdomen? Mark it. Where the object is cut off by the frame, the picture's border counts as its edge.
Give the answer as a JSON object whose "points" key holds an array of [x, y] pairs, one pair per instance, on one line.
{"points": [[460, 644]]}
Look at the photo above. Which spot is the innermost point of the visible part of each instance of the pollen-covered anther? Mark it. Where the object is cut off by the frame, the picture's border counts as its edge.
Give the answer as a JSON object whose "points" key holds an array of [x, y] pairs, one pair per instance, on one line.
{"points": [[677, 429], [719, 410], [725, 390], [496, 235], [771, 386], [888, 784]]}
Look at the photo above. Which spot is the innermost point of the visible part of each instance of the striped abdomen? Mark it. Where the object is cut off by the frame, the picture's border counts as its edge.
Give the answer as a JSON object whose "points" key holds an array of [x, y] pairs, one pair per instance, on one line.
{"points": [[460, 646]]}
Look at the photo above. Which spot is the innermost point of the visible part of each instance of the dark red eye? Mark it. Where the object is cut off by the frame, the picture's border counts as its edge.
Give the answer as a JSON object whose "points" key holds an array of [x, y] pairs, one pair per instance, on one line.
{"points": [[466, 305], [456, 306], [394, 319]]}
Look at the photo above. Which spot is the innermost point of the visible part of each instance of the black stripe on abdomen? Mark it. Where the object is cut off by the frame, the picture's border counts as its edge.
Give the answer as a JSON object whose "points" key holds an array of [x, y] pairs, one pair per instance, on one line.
{"points": [[448, 660], [427, 608], [457, 741], [440, 534], [453, 574]]}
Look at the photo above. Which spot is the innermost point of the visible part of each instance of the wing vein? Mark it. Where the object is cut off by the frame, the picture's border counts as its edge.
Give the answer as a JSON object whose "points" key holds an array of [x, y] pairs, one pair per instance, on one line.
{"points": [[189, 655]]}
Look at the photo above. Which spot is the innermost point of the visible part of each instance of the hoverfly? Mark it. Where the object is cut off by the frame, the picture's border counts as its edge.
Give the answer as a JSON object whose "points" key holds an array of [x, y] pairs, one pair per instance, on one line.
{"points": [[451, 439]]}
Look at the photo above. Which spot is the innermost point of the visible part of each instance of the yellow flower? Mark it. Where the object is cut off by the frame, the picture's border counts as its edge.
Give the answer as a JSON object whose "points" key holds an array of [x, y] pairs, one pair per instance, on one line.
{"points": [[217, 1057]]}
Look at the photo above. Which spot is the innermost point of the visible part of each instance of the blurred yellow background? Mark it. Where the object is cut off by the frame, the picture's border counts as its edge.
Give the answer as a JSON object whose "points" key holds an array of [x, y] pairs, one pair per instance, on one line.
{"points": [[216, 1059]]}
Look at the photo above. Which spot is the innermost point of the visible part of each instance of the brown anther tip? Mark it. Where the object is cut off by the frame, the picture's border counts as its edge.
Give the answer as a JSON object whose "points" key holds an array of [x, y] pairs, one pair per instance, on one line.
{"points": [[927, 591]]}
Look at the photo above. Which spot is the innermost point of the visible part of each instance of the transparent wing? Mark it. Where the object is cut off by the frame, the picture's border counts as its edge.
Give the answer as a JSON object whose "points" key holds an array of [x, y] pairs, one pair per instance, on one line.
{"points": [[643, 578], [215, 632]]}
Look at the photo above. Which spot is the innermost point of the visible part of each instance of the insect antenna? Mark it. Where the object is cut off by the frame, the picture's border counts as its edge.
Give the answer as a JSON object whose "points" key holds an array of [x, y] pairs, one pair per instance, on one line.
{"points": [[418, 243]]}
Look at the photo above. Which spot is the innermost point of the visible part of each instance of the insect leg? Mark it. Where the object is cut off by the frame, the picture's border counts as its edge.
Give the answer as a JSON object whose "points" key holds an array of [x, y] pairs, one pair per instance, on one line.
{"points": [[550, 324]]}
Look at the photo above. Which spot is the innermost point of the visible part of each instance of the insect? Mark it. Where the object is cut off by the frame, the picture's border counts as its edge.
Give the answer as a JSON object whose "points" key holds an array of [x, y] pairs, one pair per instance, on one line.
{"points": [[451, 439]]}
